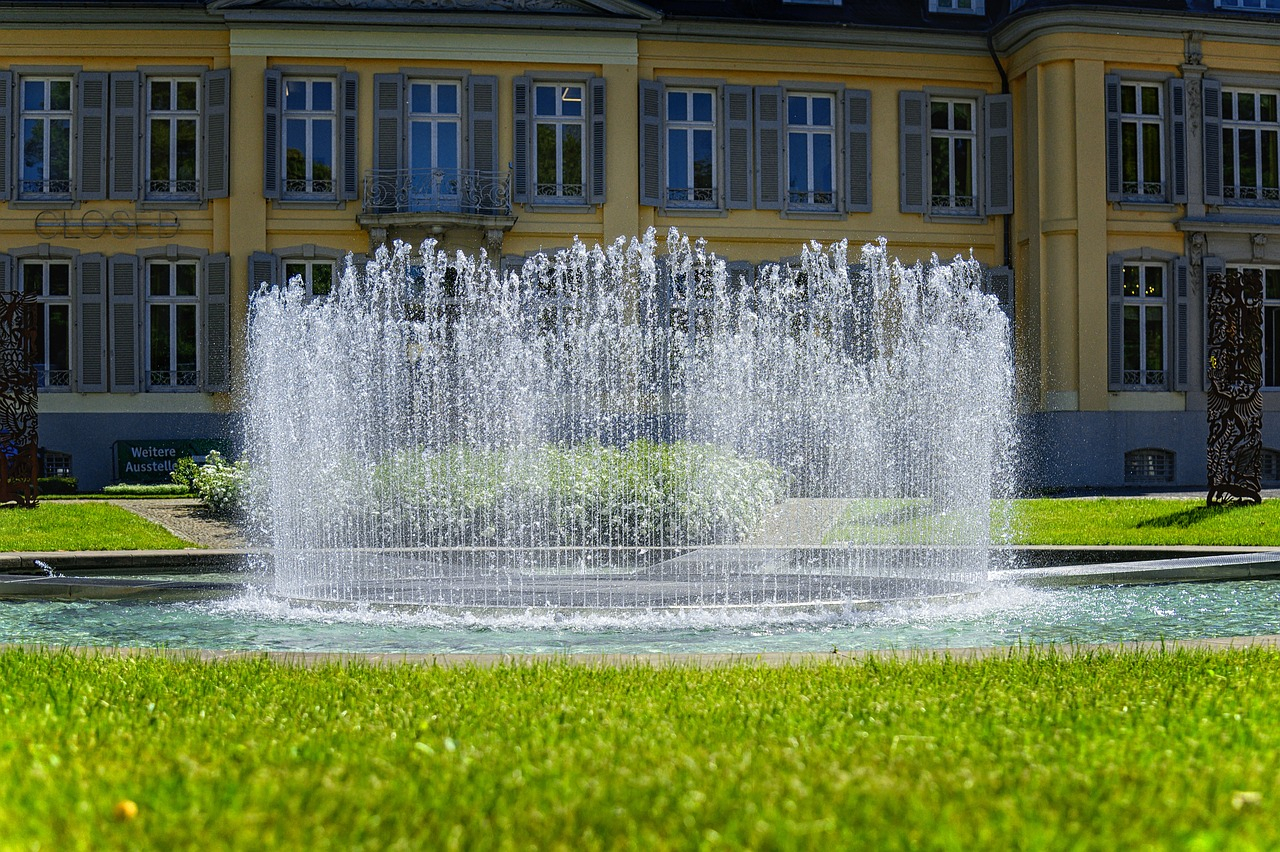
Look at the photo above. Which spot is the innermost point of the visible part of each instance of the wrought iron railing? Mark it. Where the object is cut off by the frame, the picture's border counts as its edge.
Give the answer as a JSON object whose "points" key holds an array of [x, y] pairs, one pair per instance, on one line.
{"points": [[165, 188], [47, 377], [437, 191], [1259, 195], [159, 379], [1143, 189]]}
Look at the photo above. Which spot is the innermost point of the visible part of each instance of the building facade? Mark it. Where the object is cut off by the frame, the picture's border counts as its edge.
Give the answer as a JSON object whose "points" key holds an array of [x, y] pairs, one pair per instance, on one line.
{"points": [[160, 160]]}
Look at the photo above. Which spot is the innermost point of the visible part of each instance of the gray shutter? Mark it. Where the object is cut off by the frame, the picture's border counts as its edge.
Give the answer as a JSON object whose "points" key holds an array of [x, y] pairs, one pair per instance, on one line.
{"points": [[6, 129], [272, 89], [1181, 318], [857, 127], [1115, 185], [522, 139], [770, 174], [349, 137], [1176, 95], [1211, 103], [653, 180], [388, 139], [126, 128], [8, 275], [997, 114], [599, 142], [1115, 322], [913, 151], [738, 133], [91, 135], [91, 323], [217, 323], [263, 269], [217, 133], [125, 324], [1000, 283], [482, 106]]}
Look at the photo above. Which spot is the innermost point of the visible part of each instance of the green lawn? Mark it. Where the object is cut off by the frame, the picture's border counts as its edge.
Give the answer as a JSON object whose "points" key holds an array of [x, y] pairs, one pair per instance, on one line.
{"points": [[1032, 751], [81, 526]]}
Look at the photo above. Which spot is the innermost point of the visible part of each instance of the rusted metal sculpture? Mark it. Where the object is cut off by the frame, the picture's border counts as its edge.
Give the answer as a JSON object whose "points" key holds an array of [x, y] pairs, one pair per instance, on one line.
{"points": [[18, 439], [1235, 387]]}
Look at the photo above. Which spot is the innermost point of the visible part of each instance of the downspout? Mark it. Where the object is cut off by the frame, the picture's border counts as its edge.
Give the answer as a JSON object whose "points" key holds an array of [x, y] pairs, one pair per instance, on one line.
{"points": [[1004, 90]]}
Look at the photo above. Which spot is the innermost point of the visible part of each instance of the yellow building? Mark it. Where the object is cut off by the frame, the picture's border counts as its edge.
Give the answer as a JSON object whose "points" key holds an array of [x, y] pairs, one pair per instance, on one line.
{"points": [[160, 159]]}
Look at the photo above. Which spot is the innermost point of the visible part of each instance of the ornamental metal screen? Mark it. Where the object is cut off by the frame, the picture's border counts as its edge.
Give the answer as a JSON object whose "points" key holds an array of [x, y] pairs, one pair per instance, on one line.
{"points": [[1235, 387]]}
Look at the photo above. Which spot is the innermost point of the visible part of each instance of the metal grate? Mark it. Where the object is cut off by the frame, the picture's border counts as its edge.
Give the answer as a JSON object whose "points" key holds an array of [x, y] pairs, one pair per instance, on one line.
{"points": [[1270, 465], [1148, 465]]}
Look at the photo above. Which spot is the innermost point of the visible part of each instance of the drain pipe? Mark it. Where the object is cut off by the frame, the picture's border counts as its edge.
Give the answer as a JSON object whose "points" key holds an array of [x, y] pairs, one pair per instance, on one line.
{"points": [[1004, 90]]}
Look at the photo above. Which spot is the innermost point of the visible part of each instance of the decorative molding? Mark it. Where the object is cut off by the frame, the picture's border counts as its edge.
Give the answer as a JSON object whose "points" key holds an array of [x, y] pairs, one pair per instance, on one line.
{"points": [[1194, 51], [1195, 106], [1258, 246], [1197, 244]]}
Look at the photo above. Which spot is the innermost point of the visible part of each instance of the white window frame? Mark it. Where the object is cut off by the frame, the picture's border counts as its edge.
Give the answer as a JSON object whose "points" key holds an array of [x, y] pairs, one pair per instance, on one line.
{"points": [[176, 379], [1266, 134], [304, 269], [958, 7], [1141, 122], [1248, 5], [953, 202], [807, 131], [49, 188], [1145, 378], [704, 197], [48, 380], [441, 188], [309, 187], [559, 189], [172, 187]]}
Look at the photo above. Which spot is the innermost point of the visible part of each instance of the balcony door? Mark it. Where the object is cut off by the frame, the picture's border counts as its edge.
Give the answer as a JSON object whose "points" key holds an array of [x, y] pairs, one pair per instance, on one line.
{"points": [[434, 136]]}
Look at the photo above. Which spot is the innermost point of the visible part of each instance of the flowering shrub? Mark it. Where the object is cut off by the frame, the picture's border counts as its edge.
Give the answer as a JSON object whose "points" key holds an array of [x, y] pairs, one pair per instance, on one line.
{"points": [[221, 485]]}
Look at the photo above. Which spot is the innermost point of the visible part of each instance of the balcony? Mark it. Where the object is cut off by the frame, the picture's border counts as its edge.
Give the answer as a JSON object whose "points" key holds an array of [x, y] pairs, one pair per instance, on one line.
{"points": [[414, 203]]}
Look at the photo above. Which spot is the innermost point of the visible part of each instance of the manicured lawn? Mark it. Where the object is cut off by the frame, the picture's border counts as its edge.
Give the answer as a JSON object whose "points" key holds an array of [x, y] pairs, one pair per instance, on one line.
{"points": [[81, 526], [1032, 751]]}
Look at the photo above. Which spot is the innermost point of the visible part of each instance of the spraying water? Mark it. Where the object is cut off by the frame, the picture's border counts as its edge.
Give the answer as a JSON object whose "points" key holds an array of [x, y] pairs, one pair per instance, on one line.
{"points": [[618, 427]]}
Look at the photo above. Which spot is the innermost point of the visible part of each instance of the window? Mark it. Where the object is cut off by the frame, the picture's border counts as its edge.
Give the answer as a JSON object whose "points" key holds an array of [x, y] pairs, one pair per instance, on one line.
{"points": [[559, 131], [1148, 465], [172, 324], [316, 276], [811, 151], [1148, 304], [53, 463], [953, 157], [1146, 140], [173, 134], [435, 130], [50, 282], [310, 122], [1250, 158], [1244, 5], [960, 7], [1141, 140], [46, 137], [955, 154], [691, 148], [1270, 465], [1145, 325]]}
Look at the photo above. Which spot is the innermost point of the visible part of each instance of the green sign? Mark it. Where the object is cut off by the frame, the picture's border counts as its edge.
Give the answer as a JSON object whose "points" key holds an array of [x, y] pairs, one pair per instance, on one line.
{"points": [[141, 462]]}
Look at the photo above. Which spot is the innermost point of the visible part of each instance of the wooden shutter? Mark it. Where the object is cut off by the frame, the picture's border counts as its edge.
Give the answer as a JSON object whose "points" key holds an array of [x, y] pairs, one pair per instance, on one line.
{"points": [[482, 108], [388, 129], [126, 324], [653, 179], [8, 275], [1000, 283], [857, 127], [913, 151], [1181, 321], [126, 128], [272, 91], [217, 323], [1115, 186], [217, 133], [6, 130], [349, 135], [1211, 103], [1115, 322], [770, 174], [91, 135], [263, 269], [1176, 127], [91, 323], [522, 139], [738, 136], [997, 115], [599, 142]]}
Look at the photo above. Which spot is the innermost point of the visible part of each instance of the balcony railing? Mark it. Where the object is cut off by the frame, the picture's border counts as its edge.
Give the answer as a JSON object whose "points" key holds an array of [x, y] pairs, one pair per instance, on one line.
{"points": [[465, 191]]}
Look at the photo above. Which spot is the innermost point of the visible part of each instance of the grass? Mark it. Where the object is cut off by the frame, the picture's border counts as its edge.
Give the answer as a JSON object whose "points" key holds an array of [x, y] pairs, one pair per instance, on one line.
{"points": [[1036, 750], [82, 526]]}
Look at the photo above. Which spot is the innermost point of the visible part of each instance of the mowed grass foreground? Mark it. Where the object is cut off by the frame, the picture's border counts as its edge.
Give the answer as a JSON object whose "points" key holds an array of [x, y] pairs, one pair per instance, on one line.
{"points": [[82, 526], [1035, 750]]}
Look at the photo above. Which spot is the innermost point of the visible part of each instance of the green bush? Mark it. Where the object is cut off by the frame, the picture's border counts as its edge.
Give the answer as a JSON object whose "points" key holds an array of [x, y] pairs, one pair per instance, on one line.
{"points": [[221, 485], [184, 473], [127, 489], [57, 485]]}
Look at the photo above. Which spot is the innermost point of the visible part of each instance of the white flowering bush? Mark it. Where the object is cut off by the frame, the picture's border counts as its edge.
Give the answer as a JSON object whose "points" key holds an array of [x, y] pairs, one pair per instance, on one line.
{"points": [[222, 486]]}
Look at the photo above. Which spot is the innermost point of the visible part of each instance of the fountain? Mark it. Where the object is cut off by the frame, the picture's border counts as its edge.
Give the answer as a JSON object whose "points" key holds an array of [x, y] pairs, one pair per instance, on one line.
{"points": [[622, 429]]}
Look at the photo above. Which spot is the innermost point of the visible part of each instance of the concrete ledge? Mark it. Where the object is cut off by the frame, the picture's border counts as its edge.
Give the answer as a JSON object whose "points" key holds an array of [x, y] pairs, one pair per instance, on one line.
{"points": [[90, 562], [55, 588], [1237, 566]]}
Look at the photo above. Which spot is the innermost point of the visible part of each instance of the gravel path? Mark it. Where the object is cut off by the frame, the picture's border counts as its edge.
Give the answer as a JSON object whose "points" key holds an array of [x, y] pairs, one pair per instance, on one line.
{"points": [[187, 519]]}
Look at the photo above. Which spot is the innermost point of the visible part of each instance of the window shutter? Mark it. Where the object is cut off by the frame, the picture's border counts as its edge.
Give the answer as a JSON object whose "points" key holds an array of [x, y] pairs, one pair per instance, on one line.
{"points": [[1115, 322], [263, 269], [1211, 103], [1115, 187], [388, 139], [769, 172], [6, 129], [272, 87], [8, 275], [857, 126], [125, 323], [1001, 285], [1181, 337], [91, 136], [913, 151], [997, 114], [91, 323], [1176, 95], [599, 142], [522, 139], [653, 181], [217, 133], [738, 132], [126, 124], [482, 104], [349, 124], [217, 323]]}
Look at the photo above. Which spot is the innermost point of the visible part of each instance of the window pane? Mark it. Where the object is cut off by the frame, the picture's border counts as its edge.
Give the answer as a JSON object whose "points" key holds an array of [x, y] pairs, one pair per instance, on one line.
{"points": [[1150, 100], [702, 159], [1270, 178], [1244, 106], [187, 94], [822, 163], [1270, 345], [702, 106], [447, 98], [420, 97], [939, 117], [295, 270], [1248, 164], [447, 142], [1155, 337], [822, 112], [159, 342], [186, 151], [295, 150], [1129, 99], [33, 94], [1133, 281], [160, 94], [1267, 108], [1228, 158], [1271, 283], [1155, 281], [58, 337], [185, 273], [1129, 151], [322, 95], [940, 166], [798, 162], [322, 150], [677, 159], [295, 94], [963, 116], [160, 149], [677, 106], [33, 278], [546, 142], [573, 155], [797, 110], [544, 100], [321, 279], [1151, 153], [421, 145], [571, 102], [33, 151], [964, 170], [1228, 105], [60, 94], [186, 340], [158, 275], [1132, 338], [60, 152], [59, 279]]}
